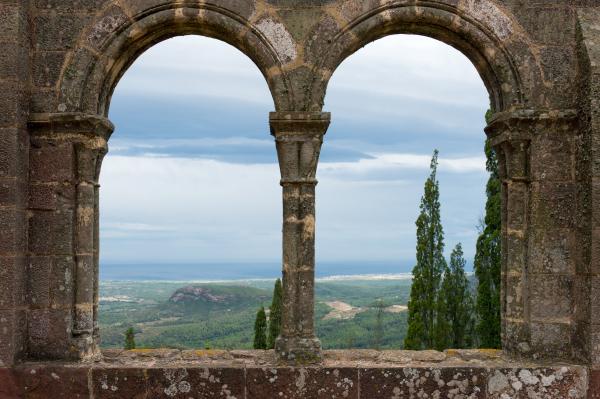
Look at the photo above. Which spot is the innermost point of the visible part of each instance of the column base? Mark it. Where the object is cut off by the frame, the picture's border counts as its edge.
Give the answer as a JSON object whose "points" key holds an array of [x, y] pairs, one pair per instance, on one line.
{"points": [[298, 350], [85, 348]]}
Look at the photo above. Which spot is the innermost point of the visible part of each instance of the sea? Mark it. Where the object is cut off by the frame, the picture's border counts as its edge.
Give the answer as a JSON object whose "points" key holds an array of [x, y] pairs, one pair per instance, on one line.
{"points": [[224, 271]]}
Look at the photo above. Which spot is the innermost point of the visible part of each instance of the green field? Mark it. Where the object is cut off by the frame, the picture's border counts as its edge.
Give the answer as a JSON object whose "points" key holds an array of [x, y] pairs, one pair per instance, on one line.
{"points": [[345, 316]]}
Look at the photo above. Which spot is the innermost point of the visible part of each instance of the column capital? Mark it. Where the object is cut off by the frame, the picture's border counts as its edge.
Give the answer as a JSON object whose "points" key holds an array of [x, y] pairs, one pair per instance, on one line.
{"points": [[298, 136], [70, 125], [298, 125], [524, 124]]}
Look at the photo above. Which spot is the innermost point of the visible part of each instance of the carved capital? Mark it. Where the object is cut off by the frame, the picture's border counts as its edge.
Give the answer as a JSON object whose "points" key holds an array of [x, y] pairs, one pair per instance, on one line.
{"points": [[298, 136], [513, 159], [511, 133], [87, 133], [70, 126], [524, 124], [299, 125]]}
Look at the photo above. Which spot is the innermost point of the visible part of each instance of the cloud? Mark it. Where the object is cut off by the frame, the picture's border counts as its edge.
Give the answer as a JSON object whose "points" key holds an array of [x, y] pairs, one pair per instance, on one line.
{"points": [[200, 209], [394, 166], [192, 173], [196, 65]]}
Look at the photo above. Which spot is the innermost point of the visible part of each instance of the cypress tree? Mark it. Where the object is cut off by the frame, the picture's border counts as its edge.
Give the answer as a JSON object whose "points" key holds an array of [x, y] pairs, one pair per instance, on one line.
{"points": [[443, 325], [275, 315], [455, 306], [488, 259], [260, 329], [129, 339], [378, 331], [429, 267]]}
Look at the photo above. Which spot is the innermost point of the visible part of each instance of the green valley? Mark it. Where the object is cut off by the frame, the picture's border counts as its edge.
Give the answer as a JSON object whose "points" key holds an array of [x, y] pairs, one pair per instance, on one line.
{"points": [[221, 315]]}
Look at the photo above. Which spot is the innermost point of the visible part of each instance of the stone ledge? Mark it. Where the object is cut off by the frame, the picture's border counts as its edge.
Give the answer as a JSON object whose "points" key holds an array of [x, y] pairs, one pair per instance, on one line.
{"points": [[350, 374]]}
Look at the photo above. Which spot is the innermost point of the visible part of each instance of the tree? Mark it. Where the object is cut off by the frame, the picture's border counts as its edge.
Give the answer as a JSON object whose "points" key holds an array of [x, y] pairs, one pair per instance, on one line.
{"points": [[454, 306], [488, 258], [260, 329], [129, 339], [429, 268], [378, 331], [275, 315]]}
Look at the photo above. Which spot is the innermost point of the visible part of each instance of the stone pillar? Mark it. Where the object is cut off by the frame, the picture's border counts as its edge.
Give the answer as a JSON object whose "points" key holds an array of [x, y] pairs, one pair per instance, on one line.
{"points": [[298, 137], [539, 298], [513, 162], [14, 148], [67, 151]]}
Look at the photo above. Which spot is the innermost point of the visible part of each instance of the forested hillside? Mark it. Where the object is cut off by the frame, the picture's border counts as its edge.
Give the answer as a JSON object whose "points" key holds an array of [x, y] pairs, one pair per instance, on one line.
{"points": [[175, 315]]}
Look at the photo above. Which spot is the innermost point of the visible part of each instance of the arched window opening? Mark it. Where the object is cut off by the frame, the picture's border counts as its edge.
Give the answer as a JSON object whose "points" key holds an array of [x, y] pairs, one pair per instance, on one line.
{"points": [[190, 206], [393, 103]]}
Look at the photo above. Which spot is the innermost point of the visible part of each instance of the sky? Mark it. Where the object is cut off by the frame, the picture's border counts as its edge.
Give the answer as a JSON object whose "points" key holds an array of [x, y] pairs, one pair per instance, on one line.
{"points": [[191, 175]]}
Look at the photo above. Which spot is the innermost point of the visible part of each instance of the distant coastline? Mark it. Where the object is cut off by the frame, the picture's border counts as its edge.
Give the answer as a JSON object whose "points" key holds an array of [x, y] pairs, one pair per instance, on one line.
{"points": [[224, 272]]}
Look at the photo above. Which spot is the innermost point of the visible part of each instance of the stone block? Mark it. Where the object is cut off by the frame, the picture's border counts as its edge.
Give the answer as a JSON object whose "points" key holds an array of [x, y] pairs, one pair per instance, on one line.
{"points": [[58, 32], [182, 383], [8, 336], [44, 382], [551, 296], [9, 386], [552, 250], [43, 100], [582, 298], [117, 383], [51, 233], [13, 193], [13, 104], [73, 5], [541, 18], [594, 297], [50, 162], [552, 156], [12, 233], [551, 340], [515, 248], [552, 204], [12, 60], [290, 383], [12, 282], [516, 338], [49, 333], [594, 388], [40, 270], [61, 282], [515, 297], [595, 252], [12, 160], [516, 206], [111, 21], [595, 343], [542, 383], [47, 66], [423, 382], [12, 21]]}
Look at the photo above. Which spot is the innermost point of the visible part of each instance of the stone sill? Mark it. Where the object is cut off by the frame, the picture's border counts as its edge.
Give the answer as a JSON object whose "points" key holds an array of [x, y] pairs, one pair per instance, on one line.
{"points": [[246, 374]]}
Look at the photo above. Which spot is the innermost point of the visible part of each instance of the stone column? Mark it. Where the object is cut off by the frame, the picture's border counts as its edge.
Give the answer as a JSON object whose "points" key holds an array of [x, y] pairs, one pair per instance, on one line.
{"points": [[67, 151], [513, 163], [298, 136], [540, 307]]}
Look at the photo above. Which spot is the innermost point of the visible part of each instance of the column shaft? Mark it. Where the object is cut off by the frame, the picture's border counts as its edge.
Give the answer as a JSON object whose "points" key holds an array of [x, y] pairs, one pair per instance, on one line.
{"points": [[298, 138]]}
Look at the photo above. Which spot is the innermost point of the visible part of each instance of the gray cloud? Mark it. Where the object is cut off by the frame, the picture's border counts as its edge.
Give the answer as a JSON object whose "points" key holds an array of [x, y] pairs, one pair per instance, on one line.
{"points": [[192, 173]]}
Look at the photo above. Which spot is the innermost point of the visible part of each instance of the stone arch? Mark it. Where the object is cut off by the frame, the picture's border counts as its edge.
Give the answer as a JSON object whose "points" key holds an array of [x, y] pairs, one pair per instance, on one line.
{"points": [[118, 36], [483, 32]]}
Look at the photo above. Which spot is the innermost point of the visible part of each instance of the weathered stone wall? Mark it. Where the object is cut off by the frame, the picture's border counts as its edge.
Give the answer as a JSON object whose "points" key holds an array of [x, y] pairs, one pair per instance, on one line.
{"points": [[61, 60], [256, 374], [14, 147]]}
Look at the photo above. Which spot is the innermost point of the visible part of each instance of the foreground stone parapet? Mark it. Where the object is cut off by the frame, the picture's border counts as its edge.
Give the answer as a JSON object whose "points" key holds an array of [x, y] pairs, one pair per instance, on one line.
{"points": [[258, 374]]}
